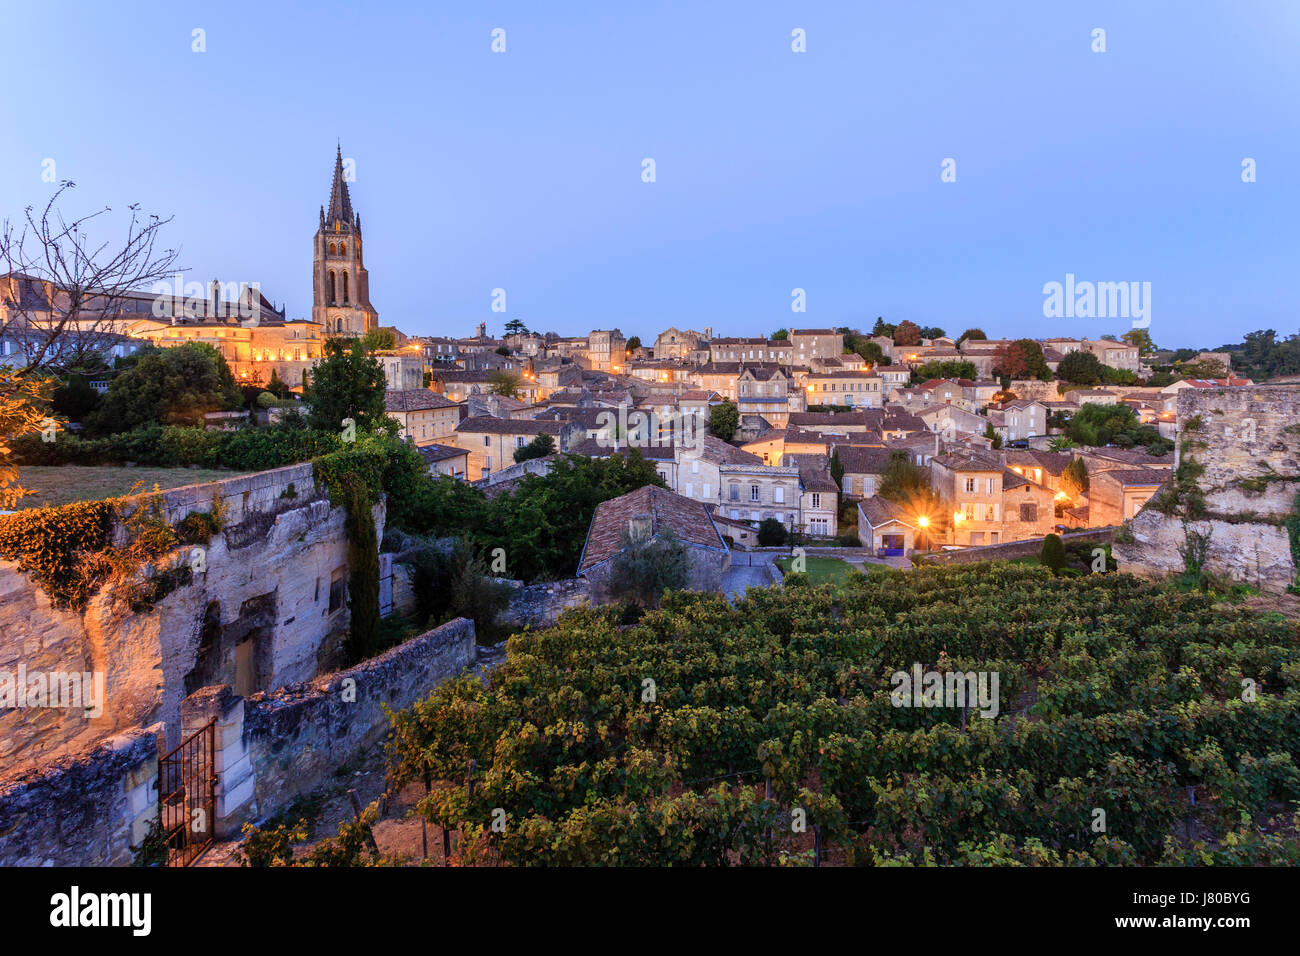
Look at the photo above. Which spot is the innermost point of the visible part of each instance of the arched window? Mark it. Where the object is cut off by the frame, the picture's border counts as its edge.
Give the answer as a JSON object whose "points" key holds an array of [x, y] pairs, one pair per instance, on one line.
{"points": [[333, 249], [345, 288], [331, 289], [343, 248]]}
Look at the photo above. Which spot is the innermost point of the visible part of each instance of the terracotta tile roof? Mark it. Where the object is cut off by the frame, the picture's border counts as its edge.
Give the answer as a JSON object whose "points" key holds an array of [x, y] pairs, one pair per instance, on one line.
{"points": [[859, 460], [878, 511], [719, 452], [1012, 479], [1051, 462], [435, 452], [969, 461], [483, 424], [687, 519], [1135, 477], [814, 472], [414, 400]]}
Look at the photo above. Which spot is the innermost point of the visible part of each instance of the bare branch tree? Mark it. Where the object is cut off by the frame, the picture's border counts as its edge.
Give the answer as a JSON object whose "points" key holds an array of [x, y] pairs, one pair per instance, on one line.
{"points": [[63, 298]]}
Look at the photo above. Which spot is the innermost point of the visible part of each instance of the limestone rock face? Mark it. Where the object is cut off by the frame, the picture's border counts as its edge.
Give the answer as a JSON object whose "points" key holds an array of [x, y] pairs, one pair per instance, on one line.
{"points": [[1243, 448], [269, 582], [1254, 553]]}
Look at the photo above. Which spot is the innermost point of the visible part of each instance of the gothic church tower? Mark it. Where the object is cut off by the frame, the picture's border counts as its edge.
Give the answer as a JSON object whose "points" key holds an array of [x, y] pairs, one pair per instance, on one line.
{"points": [[340, 282]]}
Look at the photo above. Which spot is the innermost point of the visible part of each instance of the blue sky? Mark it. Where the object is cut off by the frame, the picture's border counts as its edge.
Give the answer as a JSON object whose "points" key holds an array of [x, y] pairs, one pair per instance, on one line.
{"points": [[775, 170]]}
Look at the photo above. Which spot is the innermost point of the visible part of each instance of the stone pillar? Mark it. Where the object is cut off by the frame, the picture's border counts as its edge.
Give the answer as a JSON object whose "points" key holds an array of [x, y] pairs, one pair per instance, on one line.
{"points": [[231, 762]]}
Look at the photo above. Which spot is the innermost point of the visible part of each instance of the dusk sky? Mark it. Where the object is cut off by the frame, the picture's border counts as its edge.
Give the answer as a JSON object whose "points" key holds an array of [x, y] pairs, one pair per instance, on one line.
{"points": [[775, 170]]}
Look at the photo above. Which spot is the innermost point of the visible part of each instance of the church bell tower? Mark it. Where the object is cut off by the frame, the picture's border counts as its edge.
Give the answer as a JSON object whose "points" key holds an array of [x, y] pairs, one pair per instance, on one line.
{"points": [[340, 282]]}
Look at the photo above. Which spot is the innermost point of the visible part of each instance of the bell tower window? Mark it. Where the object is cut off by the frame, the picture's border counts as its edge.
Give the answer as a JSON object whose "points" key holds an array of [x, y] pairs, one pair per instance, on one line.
{"points": [[331, 289], [345, 288]]}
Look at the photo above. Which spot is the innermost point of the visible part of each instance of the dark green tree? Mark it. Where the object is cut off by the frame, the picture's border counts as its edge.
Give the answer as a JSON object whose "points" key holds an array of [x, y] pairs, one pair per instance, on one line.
{"points": [[174, 386], [347, 382], [379, 340], [1052, 554], [75, 400], [724, 419], [772, 533], [1080, 368], [502, 382], [539, 447]]}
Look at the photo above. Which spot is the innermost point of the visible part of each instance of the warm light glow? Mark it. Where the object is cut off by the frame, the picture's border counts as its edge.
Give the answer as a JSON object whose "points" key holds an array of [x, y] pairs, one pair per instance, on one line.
{"points": [[958, 517], [1061, 496], [923, 521]]}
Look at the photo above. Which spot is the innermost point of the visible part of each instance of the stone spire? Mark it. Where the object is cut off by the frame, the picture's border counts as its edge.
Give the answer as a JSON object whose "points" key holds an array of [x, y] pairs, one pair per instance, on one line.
{"points": [[340, 208]]}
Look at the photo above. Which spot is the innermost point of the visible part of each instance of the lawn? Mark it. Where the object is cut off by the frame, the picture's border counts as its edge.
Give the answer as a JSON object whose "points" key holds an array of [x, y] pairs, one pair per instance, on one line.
{"points": [[59, 485], [821, 570]]}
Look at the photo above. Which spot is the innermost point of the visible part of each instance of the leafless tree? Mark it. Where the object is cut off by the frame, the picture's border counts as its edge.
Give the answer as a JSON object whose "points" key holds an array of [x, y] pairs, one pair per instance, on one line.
{"points": [[62, 296]]}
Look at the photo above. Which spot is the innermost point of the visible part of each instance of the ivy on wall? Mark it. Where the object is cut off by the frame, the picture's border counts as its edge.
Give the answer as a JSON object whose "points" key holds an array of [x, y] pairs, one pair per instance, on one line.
{"points": [[354, 479], [69, 551], [49, 544]]}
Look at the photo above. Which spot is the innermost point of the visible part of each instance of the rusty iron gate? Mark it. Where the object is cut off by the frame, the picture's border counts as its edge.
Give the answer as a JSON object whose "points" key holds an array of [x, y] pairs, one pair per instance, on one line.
{"points": [[187, 788]]}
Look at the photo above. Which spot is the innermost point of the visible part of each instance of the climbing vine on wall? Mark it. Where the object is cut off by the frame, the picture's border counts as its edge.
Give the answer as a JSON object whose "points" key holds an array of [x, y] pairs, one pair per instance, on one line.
{"points": [[48, 544], [69, 550]]}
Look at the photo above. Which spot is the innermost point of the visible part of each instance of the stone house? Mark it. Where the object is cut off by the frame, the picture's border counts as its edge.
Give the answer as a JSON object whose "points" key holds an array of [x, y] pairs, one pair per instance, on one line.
{"points": [[990, 503], [751, 351], [863, 468], [844, 387], [606, 349], [754, 492], [651, 513], [445, 460], [403, 369], [718, 377], [947, 421], [885, 528], [818, 495], [1041, 467], [812, 344], [424, 416], [1019, 419], [675, 343], [492, 442], [766, 390], [1115, 496], [893, 376]]}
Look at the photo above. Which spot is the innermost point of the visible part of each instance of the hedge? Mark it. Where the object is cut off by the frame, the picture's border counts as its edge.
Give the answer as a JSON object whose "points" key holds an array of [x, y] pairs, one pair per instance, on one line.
{"points": [[176, 446]]}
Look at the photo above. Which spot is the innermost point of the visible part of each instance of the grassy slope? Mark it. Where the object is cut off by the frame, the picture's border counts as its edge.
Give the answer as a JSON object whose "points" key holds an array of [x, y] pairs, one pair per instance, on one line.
{"points": [[58, 485]]}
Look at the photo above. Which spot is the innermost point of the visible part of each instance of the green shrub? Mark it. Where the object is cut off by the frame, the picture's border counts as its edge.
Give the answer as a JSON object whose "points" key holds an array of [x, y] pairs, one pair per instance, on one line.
{"points": [[1053, 552]]}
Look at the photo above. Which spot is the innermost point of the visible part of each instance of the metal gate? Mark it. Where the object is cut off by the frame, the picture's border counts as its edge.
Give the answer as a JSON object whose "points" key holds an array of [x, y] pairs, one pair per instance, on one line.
{"points": [[187, 787]]}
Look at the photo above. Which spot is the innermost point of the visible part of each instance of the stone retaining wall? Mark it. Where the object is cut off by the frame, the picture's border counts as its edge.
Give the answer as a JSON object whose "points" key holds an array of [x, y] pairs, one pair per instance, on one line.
{"points": [[1017, 549], [272, 748], [540, 605], [87, 810]]}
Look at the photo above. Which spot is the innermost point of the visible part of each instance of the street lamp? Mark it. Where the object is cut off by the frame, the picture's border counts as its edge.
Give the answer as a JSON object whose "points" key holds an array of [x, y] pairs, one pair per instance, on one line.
{"points": [[924, 522]]}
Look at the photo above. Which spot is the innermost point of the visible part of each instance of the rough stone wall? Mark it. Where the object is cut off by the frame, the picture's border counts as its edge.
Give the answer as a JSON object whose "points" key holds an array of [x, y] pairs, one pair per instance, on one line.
{"points": [[540, 605], [266, 578], [704, 574], [1248, 441], [275, 747], [1016, 549], [87, 810]]}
